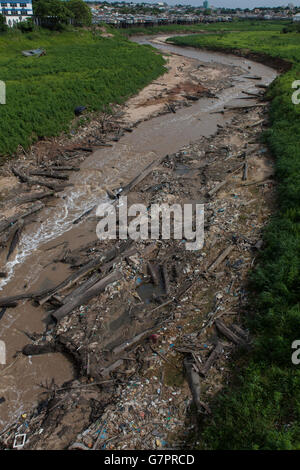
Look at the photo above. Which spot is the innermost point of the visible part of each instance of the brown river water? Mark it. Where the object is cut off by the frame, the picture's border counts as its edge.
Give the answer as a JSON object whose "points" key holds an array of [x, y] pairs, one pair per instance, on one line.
{"points": [[33, 268]]}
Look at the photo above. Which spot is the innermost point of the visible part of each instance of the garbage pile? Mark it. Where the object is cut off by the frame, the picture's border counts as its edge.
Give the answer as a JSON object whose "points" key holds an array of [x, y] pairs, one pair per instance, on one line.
{"points": [[149, 325]]}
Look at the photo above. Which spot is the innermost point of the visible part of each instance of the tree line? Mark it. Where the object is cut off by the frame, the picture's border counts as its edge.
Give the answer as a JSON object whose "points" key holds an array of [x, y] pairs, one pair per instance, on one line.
{"points": [[54, 14]]}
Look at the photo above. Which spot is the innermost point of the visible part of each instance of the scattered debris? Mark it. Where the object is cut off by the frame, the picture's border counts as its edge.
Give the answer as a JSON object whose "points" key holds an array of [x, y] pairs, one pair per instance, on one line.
{"points": [[34, 53]]}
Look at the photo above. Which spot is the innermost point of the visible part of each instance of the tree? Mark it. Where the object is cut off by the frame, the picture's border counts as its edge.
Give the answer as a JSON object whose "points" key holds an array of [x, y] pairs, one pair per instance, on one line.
{"points": [[81, 12], [3, 25], [56, 10], [26, 26]]}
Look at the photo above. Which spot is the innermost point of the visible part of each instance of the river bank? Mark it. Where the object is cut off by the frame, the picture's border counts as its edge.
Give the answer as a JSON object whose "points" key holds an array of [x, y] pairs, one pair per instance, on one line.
{"points": [[262, 400], [134, 151]]}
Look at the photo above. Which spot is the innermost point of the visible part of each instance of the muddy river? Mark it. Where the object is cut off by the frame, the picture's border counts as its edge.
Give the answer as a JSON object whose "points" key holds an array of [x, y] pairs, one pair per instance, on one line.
{"points": [[32, 268]]}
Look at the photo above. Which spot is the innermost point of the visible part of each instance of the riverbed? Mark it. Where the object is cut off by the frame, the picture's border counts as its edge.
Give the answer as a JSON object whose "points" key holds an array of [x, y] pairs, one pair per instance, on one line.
{"points": [[33, 268]]}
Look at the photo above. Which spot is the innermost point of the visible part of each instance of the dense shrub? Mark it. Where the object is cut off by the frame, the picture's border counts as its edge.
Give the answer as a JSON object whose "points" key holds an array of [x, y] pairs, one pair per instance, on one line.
{"points": [[79, 68], [3, 25]]}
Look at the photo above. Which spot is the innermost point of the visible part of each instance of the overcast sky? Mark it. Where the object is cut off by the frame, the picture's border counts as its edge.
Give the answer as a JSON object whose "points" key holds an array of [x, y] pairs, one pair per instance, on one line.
{"points": [[230, 3]]}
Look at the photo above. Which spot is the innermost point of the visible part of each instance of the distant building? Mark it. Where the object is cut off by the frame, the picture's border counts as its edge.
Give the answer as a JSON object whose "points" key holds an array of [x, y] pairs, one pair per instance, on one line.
{"points": [[205, 4], [14, 12], [296, 17]]}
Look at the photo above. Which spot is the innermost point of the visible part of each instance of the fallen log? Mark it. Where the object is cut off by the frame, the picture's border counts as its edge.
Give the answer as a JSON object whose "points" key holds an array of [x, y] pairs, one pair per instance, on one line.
{"points": [[7, 301], [249, 106], [239, 331], [2, 312], [222, 328], [220, 258], [96, 289], [216, 189], [192, 97], [86, 269], [31, 181], [154, 272], [110, 194], [253, 77], [7, 234], [194, 382], [137, 179], [171, 108], [105, 372], [37, 349], [245, 171], [75, 149], [11, 220], [15, 238], [64, 168], [256, 95], [260, 182], [82, 288], [49, 174], [33, 197], [212, 358], [10, 304], [257, 123], [103, 144], [166, 279], [76, 221], [131, 342]]}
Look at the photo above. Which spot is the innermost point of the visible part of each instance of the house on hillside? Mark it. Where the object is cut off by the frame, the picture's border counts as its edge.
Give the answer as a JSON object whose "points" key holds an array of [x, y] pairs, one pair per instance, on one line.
{"points": [[14, 12], [296, 17]]}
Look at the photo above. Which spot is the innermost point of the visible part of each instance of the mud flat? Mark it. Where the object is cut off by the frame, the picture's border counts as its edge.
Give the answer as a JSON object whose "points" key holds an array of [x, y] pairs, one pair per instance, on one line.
{"points": [[129, 341]]}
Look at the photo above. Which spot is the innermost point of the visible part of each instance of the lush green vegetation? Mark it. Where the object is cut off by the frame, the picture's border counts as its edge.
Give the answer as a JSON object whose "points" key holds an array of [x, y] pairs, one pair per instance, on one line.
{"points": [[213, 27], [3, 25], [55, 13], [79, 68], [260, 409]]}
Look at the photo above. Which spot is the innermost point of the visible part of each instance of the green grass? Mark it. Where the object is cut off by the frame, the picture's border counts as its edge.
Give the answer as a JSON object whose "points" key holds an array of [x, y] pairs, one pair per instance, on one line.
{"points": [[212, 27], [80, 68], [260, 409]]}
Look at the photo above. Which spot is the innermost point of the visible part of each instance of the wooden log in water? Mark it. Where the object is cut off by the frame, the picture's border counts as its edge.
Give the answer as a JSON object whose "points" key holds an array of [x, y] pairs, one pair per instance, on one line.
{"points": [[15, 238], [4, 224], [32, 181]]}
